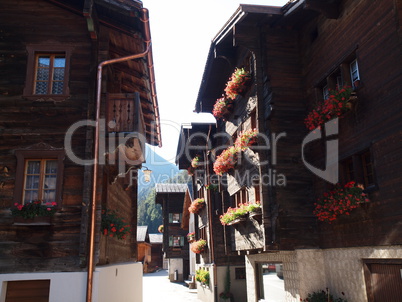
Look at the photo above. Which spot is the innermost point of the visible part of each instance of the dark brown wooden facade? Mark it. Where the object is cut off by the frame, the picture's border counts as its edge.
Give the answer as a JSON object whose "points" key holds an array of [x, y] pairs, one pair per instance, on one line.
{"points": [[298, 50], [35, 126]]}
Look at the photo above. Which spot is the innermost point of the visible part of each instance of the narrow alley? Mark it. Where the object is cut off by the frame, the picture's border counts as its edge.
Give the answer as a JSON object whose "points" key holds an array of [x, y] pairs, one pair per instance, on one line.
{"points": [[157, 287]]}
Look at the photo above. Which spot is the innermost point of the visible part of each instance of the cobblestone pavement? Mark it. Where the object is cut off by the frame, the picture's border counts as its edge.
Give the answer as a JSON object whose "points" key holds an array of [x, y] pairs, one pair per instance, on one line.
{"points": [[157, 287]]}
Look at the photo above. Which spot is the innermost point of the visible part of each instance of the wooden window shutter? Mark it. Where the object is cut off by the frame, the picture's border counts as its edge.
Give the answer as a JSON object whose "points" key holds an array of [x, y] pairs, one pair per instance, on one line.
{"points": [[170, 240], [170, 217], [181, 241]]}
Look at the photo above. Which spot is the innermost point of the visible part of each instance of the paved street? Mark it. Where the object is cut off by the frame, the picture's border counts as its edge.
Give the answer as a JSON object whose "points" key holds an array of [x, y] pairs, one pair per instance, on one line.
{"points": [[157, 287]]}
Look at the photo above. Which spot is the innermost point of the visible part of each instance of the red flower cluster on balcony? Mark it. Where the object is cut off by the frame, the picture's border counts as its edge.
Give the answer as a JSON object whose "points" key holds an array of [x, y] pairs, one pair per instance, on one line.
{"points": [[237, 83], [339, 201], [198, 246], [220, 107], [246, 139], [196, 205], [226, 160], [335, 105], [113, 225]]}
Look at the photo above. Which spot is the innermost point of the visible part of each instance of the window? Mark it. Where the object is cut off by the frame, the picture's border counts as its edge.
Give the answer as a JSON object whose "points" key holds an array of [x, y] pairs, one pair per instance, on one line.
{"points": [[240, 273], [345, 75], [250, 194], [39, 175], [176, 241], [47, 72], [203, 232], [175, 217], [354, 72], [359, 168], [40, 180], [325, 92]]}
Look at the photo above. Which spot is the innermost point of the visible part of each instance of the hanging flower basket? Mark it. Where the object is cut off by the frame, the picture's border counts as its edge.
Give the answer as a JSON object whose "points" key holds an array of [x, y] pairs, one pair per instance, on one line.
{"points": [[238, 83], [226, 161], [223, 107], [191, 237], [160, 228], [196, 205], [340, 201], [246, 139], [338, 103], [198, 246]]}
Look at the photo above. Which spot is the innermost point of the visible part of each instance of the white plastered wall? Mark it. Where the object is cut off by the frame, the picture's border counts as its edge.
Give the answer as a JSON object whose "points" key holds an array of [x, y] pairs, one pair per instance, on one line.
{"points": [[121, 283]]}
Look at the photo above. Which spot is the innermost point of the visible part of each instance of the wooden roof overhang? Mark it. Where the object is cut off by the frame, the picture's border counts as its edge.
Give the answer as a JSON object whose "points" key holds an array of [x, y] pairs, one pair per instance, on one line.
{"points": [[128, 35], [221, 57], [186, 149], [237, 33]]}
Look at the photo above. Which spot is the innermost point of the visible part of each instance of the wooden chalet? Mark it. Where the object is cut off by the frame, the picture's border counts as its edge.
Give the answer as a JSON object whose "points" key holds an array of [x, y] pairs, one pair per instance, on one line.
{"points": [[75, 76], [216, 258], [175, 229], [297, 56], [143, 247], [156, 241]]}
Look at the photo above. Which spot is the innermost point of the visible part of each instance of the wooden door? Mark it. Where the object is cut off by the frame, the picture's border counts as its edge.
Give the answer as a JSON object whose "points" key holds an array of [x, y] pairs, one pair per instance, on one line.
{"points": [[384, 282], [28, 291]]}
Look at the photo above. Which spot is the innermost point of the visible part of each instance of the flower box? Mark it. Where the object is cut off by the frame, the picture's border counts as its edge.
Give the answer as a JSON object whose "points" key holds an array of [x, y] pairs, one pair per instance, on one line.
{"points": [[38, 220], [340, 201], [338, 103], [237, 220]]}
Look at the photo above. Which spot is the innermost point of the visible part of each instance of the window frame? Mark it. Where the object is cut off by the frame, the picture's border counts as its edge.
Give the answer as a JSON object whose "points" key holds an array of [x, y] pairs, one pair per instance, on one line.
{"points": [[342, 75], [171, 216], [351, 72], [33, 52], [22, 156], [42, 178], [180, 238], [354, 168]]}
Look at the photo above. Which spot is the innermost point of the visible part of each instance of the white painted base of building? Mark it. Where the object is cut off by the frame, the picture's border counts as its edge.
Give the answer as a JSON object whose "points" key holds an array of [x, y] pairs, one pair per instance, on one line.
{"points": [[309, 270], [175, 270], [122, 282]]}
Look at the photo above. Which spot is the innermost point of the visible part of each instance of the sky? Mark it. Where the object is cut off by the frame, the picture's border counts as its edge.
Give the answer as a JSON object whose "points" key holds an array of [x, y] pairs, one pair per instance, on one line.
{"points": [[181, 33]]}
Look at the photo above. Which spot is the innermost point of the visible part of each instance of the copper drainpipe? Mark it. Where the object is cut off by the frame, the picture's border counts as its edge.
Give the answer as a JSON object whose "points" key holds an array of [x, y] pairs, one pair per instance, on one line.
{"points": [[147, 52]]}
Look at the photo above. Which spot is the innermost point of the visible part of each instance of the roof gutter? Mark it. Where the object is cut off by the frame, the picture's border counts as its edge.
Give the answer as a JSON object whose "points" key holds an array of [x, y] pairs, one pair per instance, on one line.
{"points": [[147, 53]]}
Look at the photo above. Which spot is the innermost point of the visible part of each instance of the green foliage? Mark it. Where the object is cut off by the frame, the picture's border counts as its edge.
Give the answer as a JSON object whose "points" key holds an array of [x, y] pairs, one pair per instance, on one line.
{"points": [[113, 225], [149, 213], [202, 275], [34, 209]]}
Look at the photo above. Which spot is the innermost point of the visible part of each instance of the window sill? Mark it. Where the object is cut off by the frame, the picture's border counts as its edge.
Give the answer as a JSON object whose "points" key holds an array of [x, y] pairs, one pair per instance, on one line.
{"points": [[39, 221], [371, 189], [53, 98]]}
